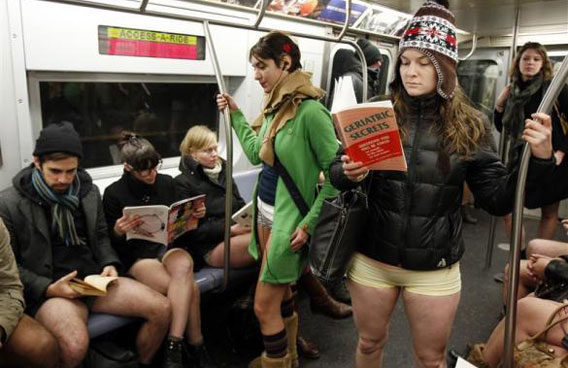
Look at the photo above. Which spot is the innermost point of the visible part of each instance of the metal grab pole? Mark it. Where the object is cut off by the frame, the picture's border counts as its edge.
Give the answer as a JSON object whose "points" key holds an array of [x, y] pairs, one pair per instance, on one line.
{"points": [[229, 162], [261, 13], [473, 48], [502, 149], [510, 319], [493, 221]]}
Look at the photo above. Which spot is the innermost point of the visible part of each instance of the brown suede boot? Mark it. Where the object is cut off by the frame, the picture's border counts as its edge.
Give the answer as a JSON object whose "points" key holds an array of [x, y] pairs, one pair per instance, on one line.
{"points": [[320, 300], [291, 325], [476, 357]]}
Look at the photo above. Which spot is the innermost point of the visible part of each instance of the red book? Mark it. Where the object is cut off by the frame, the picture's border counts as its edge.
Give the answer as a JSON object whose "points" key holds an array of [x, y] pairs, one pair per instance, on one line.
{"points": [[368, 131]]}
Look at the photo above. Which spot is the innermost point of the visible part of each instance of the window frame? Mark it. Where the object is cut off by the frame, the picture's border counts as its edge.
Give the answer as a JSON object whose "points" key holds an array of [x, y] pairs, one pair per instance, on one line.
{"points": [[104, 172]]}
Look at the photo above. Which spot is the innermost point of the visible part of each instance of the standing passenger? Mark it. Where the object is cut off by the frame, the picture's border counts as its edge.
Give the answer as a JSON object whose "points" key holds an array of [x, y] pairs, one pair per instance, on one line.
{"points": [[531, 75], [170, 273], [414, 240], [297, 128], [58, 232]]}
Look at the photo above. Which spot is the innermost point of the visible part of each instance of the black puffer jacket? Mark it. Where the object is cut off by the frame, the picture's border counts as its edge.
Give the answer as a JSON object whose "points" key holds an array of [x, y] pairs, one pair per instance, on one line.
{"points": [[193, 181], [416, 222], [128, 191]]}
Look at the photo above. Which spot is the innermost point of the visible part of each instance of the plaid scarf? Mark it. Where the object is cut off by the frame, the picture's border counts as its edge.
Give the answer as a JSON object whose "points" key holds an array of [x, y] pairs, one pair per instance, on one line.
{"points": [[62, 207], [514, 114]]}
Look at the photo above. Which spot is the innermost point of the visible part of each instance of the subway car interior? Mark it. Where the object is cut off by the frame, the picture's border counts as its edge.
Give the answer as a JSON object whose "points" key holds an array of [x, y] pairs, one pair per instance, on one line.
{"points": [[84, 61]]}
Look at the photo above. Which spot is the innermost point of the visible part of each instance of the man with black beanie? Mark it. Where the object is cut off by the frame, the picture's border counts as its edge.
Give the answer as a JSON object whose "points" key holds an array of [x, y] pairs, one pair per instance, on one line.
{"points": [[55, 218]]}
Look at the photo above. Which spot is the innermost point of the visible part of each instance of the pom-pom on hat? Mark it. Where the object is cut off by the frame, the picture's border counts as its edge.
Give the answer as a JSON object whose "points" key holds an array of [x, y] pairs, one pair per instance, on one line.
{"points": [[59, 137], [432, 31]]}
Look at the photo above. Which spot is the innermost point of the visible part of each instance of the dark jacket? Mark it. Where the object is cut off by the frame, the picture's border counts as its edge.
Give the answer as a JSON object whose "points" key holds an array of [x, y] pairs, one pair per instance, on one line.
{"points": [[128, 191], [346, 63], [559, 140], [193, 181], [25, 216], [11, 293], [415, 218]]}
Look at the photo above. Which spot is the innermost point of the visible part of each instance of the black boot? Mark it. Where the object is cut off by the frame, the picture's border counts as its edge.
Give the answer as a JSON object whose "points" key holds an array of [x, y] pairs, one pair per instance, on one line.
{"points": [[467, 216], [173, 355], [199, 357], [338, 291]]}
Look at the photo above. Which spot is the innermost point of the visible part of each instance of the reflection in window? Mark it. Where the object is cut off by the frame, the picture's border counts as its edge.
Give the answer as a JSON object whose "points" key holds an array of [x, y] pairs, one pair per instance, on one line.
{"points": [[478, 78], [160, 112]]}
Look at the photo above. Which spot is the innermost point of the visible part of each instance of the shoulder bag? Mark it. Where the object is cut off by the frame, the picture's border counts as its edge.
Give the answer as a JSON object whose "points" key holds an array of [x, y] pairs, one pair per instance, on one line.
{"points": [[339, 230], [535, 352]]}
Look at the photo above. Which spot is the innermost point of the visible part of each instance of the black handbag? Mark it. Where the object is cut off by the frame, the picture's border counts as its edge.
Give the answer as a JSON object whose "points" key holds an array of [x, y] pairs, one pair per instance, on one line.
{"points": [[552, 289], [340, 228]]}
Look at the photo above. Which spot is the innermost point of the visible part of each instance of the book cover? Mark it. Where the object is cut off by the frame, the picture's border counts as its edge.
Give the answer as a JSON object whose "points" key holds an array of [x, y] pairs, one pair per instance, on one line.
{"points": [[92, 285], [243, 216], [368, 131], [163, 224]]}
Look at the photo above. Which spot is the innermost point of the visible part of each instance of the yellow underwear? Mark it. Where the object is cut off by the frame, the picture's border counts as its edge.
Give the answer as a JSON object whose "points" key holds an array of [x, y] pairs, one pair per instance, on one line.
{"points": [[368, 272]]}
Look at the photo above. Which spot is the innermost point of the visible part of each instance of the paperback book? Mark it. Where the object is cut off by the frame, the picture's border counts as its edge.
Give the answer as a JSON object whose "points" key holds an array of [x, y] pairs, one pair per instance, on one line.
{"points": [[368, 131]]}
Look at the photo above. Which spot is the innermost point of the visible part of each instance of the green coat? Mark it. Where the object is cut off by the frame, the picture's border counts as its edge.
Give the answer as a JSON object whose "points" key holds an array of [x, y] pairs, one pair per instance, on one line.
{"points": [[11, 290], [306, 145]]}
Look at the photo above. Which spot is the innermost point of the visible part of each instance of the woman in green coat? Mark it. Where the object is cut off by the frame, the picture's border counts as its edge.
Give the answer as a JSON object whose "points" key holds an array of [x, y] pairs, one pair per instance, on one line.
{"points": [[298, 129]]}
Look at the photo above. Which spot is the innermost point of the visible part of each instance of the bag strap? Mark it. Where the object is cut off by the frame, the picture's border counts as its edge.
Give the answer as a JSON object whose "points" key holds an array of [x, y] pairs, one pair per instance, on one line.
{"points": [[549, 323], [291, 186]]}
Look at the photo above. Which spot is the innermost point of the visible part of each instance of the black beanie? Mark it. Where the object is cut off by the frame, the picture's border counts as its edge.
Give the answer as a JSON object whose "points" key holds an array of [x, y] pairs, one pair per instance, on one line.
{"points": [[59, 137], [371, 52]]}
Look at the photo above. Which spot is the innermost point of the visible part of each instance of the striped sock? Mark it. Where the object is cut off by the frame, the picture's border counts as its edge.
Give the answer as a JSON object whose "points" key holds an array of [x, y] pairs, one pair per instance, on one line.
{"points": [[287, 308], [276, 345]]}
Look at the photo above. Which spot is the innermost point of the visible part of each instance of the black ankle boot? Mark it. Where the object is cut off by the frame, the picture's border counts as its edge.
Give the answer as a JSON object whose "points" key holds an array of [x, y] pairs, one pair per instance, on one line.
{"points": [[199, 357], [173, 355]]}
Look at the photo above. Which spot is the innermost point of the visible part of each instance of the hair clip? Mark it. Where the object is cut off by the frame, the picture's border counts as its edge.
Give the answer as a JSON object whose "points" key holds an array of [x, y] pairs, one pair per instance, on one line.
{"points": [[287, 47]]}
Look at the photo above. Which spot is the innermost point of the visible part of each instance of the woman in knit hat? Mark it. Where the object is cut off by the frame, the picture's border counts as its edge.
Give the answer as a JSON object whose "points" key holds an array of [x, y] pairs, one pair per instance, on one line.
{"points": [[413, 239]]}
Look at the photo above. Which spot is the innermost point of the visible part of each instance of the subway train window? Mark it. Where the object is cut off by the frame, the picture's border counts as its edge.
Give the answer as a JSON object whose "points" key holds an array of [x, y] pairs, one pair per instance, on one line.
{"points": [[161, 112], [478, 78]]}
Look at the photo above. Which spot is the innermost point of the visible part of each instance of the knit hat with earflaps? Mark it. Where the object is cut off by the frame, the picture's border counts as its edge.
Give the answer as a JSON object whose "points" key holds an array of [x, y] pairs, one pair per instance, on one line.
{"points": [[432, 31]]}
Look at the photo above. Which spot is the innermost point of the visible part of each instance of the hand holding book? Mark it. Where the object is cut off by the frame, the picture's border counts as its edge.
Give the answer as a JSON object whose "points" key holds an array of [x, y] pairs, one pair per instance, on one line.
{"points": [[368, 131]]}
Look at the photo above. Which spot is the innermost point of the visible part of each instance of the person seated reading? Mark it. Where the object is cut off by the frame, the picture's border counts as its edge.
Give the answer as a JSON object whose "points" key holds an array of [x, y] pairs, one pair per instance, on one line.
{"points": [[55, 218], [168, 272]]}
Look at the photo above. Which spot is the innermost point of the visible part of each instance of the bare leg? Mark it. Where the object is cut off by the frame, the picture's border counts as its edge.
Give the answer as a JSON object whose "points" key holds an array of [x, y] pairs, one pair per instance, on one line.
{"points": [[372, 309], [548, 221], [193, 329], [131, 298], [532, 314], [67, 320], [550, 248], [240, 257], [267, 301], [526, 283], [430, 319], [30, 345]]}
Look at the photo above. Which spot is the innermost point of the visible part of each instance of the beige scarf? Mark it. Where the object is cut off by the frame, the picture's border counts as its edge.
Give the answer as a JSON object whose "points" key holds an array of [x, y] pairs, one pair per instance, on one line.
{"points": [[284, 100]]}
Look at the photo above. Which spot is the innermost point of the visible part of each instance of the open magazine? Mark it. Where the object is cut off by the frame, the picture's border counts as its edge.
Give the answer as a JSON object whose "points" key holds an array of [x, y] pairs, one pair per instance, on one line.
{"points": [[163, 224], [368, 131], [243, 216], [92, 285]]}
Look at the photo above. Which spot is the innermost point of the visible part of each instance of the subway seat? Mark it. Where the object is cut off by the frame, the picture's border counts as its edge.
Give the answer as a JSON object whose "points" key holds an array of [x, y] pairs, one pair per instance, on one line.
{"points": [[207, 278]]}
